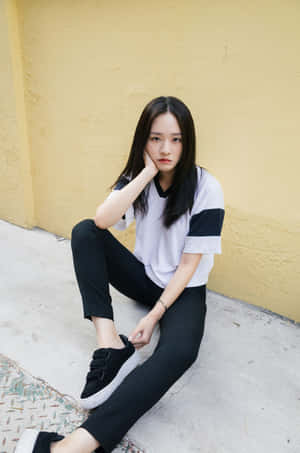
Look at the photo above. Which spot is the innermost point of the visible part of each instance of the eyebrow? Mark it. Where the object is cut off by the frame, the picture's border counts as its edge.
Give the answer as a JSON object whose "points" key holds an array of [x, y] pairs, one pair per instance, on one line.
{"points": [[159, 133]]}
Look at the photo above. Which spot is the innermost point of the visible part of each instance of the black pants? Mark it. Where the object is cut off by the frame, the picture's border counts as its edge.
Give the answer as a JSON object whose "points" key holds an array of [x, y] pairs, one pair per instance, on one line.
{"points": [[99, 259]]}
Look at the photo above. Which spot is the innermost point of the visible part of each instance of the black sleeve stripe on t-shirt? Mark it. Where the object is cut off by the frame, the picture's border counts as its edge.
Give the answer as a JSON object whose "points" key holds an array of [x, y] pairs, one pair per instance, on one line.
{"points": [[208, 222]]}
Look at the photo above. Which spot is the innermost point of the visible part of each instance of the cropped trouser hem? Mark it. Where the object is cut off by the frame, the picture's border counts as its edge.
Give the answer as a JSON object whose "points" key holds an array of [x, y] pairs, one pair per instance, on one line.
{"points": [[100, 311]]}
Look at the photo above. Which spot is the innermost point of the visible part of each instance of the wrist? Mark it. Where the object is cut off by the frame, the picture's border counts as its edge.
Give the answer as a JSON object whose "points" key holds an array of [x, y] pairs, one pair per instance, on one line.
{"points": [[150, 172], [157, 311]]}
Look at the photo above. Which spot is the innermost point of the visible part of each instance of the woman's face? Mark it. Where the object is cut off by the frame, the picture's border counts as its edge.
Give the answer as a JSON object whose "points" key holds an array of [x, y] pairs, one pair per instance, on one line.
{"points": [[165, 142]]}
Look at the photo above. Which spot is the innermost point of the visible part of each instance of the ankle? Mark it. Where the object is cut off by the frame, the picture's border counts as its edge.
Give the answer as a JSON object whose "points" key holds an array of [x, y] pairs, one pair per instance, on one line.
{"points": [[55, 447], [79, 441], [112, 342], [106, 333]]}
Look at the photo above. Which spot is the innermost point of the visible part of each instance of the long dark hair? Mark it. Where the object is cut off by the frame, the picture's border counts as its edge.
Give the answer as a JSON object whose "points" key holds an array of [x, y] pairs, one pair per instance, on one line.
{"points": [[182, 191]]}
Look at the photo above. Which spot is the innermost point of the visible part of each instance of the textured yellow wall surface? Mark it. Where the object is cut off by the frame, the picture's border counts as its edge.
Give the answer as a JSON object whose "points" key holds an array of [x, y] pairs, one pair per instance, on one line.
{"points": [[88, 70], [16, 198]]}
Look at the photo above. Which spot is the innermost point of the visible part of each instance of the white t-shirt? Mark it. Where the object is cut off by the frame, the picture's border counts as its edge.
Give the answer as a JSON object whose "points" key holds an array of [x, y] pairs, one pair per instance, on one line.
{"points": [[159, 248]]}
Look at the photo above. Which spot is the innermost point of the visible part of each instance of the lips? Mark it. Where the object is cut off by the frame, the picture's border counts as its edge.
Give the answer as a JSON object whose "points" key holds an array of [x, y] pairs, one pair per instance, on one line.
{"points": [[164, 160]]}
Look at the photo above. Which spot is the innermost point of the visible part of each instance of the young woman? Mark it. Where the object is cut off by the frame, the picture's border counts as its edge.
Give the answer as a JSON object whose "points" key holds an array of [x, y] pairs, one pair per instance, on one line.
{"points": [[178, 207]]}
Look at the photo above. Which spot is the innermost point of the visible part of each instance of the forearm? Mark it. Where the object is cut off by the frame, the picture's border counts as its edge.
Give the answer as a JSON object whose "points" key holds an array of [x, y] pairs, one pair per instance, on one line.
{"points": [[176, 285], [112, 209]]}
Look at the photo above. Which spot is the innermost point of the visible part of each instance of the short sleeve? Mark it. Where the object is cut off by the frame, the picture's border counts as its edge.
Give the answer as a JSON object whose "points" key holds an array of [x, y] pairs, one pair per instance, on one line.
{"points": [[206, 222], [128, 217]]}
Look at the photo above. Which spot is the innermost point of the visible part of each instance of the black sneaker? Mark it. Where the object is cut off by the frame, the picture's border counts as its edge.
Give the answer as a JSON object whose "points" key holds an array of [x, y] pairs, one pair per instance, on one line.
{"points": [[108, 368], [34, 441]]}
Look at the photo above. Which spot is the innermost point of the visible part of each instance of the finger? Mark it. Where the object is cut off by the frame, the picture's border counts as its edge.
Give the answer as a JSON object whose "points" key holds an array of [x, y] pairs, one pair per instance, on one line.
{"points": [[138, 345], [132, 336], [135, 338], [135, 334], [140, 341]]}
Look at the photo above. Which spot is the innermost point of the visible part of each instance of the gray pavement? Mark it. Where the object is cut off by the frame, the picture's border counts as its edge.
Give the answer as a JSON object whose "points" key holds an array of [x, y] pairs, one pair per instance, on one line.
{"points": [[242, 394]]}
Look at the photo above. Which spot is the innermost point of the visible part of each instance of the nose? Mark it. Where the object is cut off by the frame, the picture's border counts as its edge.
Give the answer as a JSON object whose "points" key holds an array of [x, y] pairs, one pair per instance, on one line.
{"points": [[165, 149]]}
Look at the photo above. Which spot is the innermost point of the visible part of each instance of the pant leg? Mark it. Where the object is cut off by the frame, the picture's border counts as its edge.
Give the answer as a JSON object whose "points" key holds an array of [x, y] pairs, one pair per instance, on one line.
{"points": [[181, 331], [99, 259]]}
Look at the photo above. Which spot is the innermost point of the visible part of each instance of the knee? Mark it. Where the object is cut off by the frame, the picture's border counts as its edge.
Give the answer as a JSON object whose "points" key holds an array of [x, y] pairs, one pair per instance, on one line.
{"points": [[81, 230], [183, 356], [188, 355]]}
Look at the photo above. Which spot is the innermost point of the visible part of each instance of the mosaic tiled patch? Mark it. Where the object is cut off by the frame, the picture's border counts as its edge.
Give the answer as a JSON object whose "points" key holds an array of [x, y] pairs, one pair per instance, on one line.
{"points": [[29, 402]]}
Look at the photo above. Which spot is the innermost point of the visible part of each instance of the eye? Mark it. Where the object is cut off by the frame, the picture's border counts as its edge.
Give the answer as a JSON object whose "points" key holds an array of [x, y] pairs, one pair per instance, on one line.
{"points": [[154, 138], [177, 138]]}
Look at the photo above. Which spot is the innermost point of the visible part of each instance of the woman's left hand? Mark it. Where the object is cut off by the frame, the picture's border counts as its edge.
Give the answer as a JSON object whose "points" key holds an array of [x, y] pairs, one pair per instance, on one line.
{"points": [[141, 335]]}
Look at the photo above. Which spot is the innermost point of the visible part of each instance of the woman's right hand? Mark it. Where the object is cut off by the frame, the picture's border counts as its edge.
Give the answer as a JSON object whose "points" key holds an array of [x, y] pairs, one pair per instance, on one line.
{"points": [[149, 163]]}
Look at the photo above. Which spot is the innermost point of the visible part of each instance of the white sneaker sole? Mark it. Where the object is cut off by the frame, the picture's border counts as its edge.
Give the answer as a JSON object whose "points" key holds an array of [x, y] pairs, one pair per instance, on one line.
{"points": [[27, 441], [98, 398]]}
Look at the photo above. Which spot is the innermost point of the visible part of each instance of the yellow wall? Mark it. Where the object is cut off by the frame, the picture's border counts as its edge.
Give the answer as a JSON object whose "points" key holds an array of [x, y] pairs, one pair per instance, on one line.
{"points": [[89, 68], [16, 197]]}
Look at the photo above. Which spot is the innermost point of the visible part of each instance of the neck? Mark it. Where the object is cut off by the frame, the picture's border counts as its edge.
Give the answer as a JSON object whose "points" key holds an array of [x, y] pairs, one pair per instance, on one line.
{"points": [[166, 177]]}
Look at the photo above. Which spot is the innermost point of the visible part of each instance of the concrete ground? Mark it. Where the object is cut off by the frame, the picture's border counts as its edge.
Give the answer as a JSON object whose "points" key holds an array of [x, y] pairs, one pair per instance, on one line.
{"points": [[242, 394]]}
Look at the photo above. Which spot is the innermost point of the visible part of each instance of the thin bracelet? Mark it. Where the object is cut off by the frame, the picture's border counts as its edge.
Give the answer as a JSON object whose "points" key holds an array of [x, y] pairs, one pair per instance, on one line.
{"points": [[164, 305]]}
